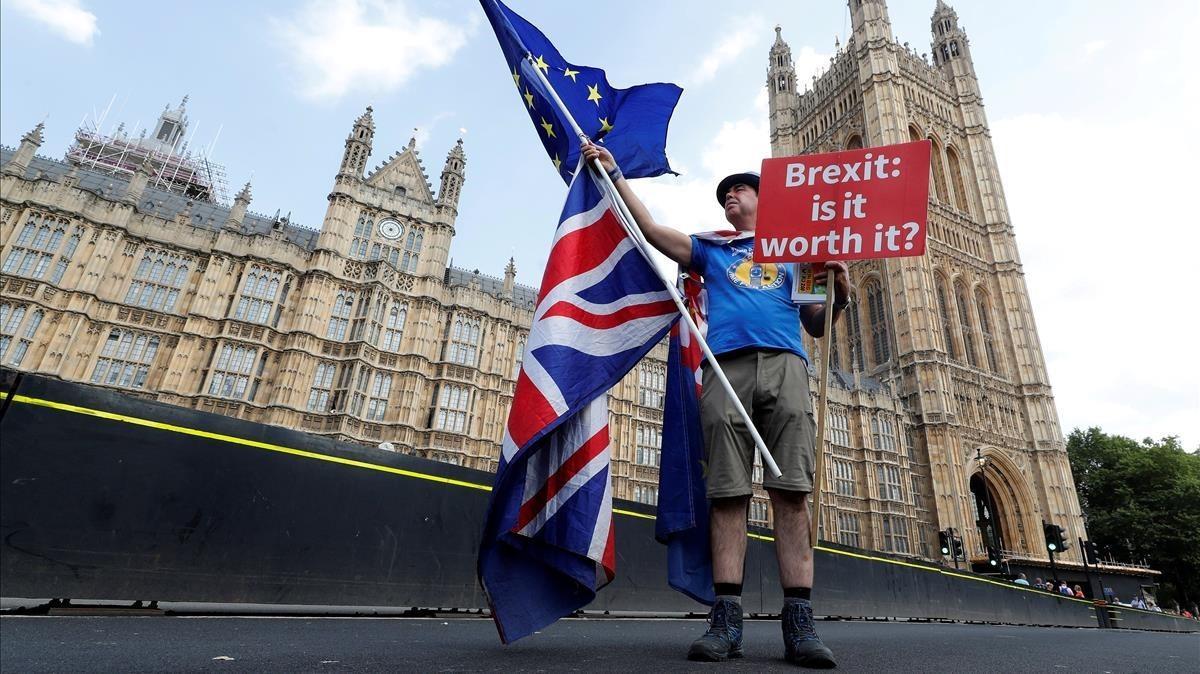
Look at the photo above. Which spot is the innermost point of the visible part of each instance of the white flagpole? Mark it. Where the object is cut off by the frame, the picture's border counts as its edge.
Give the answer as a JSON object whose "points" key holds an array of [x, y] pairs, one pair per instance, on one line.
{"points": [[635, 233]]}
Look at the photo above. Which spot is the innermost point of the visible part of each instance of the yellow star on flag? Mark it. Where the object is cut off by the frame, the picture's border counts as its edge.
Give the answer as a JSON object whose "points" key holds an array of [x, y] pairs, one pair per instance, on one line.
{"points": [[605, 127], [548, 127], [542, 65], [594, 94], [529, 98], [557, 163], [571, 73], [516, 77]]}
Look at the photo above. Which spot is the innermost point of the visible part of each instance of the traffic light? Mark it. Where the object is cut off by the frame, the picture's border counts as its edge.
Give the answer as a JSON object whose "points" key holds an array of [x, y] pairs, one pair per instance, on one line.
{"points": [[1089, 550], [958, 548], [1056, 538], [994, 560], [944, 541]]}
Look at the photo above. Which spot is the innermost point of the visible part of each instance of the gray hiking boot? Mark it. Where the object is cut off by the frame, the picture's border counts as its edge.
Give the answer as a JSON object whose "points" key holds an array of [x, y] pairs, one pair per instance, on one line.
{"points": [[801, 644], [723, 640]]}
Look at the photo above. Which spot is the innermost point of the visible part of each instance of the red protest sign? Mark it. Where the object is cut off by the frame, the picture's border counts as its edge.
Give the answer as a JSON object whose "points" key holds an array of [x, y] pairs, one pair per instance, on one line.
{"points": [[853, 205]]}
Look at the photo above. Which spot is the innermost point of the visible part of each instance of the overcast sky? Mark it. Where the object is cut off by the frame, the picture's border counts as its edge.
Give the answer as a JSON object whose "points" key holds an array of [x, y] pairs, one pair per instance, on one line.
{"points": [[1091, 106]]}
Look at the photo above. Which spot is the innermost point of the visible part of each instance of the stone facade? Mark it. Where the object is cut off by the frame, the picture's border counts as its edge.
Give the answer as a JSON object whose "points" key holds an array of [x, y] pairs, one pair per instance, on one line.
{"points": [[952, 333]]}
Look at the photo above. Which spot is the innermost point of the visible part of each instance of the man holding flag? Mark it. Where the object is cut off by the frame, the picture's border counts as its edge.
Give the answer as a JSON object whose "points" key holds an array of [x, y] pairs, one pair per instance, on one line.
{"points": [[754, 331]]}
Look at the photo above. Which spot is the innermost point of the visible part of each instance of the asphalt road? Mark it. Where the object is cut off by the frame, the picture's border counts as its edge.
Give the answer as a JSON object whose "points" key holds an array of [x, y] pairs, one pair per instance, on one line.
{"points": [[297, 644]]}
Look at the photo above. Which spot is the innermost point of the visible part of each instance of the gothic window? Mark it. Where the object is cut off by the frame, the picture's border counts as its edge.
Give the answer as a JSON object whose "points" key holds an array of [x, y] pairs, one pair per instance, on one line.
{"points": [[380, 390], [954, 47], [318, 395], [839, 429], [464, 342], [157, 282], [895, 534], [914, 133], [231, 374], [918, 499], [339, 321], [888, 478], [964, 324], [944, 315], [412, 250], [259, 292], [956, 175], [939, 174], [125, 359], [359, 397], [758, 512], [519, 358], [843, 473], [452, 409], [644, 493], [362, 237], [37, 245], [649, 445], [393, 330], [854, 143], [848, 529], [17, 331], [881, 349], [883, 434], [400, 191], [985, 328], [857, 358], [652, 385]]}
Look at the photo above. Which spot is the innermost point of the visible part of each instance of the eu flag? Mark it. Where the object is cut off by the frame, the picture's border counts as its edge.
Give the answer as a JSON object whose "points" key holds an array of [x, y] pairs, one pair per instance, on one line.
{"points": [[632, 122]]}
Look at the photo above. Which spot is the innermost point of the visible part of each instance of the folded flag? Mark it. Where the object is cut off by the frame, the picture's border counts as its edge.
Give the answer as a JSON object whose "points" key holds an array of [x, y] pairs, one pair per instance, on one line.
{"points": [[632, 122], [682, 522], [548, 541]]}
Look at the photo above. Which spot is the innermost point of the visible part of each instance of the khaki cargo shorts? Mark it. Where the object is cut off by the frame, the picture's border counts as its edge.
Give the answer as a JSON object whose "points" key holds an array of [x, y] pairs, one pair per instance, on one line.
{"points": [[773, 387]]}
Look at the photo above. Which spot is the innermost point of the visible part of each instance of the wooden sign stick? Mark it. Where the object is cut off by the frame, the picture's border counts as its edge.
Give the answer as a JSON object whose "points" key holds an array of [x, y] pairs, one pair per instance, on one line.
{"points": [[822, 411]]}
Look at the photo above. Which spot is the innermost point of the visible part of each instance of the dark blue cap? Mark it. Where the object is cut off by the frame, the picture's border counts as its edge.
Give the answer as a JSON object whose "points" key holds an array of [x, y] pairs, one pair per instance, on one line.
{"points": [[748, 178]]}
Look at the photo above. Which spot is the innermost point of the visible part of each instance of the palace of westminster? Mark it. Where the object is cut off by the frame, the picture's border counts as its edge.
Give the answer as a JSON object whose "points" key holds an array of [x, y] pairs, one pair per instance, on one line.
{"points": [[121, 267]]}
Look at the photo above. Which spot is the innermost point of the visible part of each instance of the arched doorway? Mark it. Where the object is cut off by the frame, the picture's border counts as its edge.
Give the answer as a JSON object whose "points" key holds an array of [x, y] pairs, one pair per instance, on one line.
{"points": [[1004, 508], [987, 515]]}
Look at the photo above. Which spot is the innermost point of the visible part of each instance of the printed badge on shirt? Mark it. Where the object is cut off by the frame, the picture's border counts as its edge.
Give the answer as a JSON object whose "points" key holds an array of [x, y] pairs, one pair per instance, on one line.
{"points": [[746, 273]]}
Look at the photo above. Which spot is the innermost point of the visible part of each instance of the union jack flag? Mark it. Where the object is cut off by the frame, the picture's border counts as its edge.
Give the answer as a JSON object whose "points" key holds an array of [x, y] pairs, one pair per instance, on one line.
{"points": [[548, 542]]}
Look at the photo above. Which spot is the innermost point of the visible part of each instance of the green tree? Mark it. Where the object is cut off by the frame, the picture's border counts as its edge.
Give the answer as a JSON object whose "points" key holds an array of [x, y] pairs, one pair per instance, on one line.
{"points": [[1141, 501]]}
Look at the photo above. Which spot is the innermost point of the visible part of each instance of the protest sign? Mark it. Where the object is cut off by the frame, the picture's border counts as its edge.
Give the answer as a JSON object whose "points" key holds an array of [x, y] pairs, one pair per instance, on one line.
{"points": [[852, 205]]}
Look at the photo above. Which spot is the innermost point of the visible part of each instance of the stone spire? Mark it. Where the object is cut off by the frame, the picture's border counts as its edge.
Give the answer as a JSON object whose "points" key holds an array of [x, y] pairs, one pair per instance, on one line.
{"points": [[781, 91], [951, 50], [358, 146], [453, 177], [137, 183], [870, 21], [510, 277], [30, 142], [237, 214]]}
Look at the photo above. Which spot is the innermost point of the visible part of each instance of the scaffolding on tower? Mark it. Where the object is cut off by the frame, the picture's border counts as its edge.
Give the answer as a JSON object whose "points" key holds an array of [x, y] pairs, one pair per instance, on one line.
{"points": [[194, 176]]}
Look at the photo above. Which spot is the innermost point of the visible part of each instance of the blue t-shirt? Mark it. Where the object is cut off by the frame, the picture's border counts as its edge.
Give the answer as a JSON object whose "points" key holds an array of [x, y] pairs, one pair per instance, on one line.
{"points": [[749, 304]]}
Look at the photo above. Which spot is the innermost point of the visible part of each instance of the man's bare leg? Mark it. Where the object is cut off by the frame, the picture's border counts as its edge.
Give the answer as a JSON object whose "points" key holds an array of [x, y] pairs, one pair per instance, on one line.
{"points": [[791, 538], [802, 646], [728, 527]]}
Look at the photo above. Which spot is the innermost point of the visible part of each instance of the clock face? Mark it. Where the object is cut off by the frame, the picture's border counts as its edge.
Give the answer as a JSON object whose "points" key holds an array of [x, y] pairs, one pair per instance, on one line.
{"points": [[390, 229]]}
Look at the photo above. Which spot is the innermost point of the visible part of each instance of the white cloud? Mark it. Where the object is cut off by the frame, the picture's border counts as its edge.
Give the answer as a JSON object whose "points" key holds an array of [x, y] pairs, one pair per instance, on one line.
{"points": [[1109, 246], [339, 46], [67, 18], [1094, 46], [746, 35], [809, 63]]}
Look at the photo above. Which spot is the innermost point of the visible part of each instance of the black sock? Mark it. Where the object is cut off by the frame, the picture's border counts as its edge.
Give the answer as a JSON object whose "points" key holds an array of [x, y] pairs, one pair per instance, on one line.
{"points": [[797, 593], [728, 589]]}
